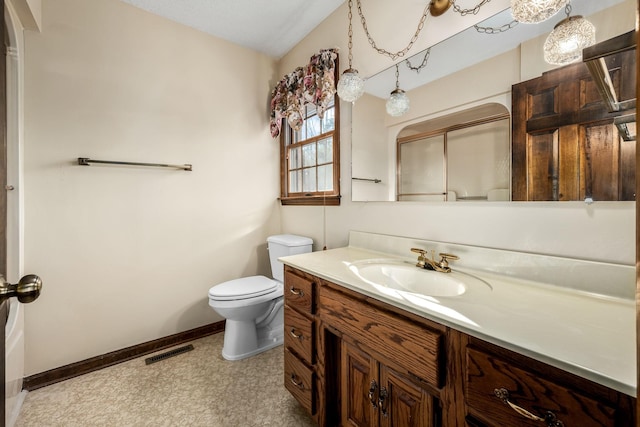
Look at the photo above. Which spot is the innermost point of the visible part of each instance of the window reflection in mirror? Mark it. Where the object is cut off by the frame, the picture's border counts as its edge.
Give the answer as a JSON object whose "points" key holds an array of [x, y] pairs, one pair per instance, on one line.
{"points": [[463, 156]]}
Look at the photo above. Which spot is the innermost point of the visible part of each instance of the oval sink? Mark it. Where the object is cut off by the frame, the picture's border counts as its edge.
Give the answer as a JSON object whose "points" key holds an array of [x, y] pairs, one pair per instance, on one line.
{"points": [[406, 277]]}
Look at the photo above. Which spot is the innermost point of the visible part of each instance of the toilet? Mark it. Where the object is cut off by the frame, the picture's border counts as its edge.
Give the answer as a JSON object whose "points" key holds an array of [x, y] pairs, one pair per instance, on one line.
{"points": [[254, 306]]}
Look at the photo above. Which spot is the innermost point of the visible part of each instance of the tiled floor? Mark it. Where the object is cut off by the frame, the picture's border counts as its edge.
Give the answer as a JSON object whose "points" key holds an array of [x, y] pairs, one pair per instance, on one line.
{"points": [[198, 388]]}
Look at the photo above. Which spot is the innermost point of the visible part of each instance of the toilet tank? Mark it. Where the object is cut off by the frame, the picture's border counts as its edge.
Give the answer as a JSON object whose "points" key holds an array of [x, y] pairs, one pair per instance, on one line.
{"points": [[284, 245]]}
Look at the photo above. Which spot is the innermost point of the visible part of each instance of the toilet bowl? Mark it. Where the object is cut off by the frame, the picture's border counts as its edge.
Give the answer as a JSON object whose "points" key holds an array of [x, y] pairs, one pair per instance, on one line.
{"points": [[254, 306]]}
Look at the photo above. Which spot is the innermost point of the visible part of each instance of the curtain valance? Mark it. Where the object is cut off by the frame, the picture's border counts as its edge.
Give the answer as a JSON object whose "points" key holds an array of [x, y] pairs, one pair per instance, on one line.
{"points": [[313, 84]]}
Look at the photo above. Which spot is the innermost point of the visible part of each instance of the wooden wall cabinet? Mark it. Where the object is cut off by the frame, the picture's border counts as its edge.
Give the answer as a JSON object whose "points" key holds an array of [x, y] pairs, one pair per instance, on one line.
{"points": [[363, 362]]}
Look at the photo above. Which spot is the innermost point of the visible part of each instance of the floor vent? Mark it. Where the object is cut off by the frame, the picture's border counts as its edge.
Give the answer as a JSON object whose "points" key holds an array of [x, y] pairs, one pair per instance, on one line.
{"points": [[166, 355]]}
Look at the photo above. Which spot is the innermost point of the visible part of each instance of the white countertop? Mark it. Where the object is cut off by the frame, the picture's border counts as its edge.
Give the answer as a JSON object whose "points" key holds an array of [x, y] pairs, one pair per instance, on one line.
{"points": [[584, 333]]}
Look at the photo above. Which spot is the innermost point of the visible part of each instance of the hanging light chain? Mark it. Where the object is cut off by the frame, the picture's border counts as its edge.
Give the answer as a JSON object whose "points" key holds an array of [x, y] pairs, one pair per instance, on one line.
{"points": [[422, 65], [473, 11], [400, 53], [496, 30], [397, 77], [350, 33], [567, 8]]}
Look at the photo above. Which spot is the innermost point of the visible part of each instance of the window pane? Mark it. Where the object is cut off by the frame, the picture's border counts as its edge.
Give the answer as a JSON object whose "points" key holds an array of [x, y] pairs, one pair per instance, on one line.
{"points": [[313, 126], [294, 158], [325, 178], [325, 151], [329, 120], [295, 180], [309, 179], [299, 135], [309, 154]]}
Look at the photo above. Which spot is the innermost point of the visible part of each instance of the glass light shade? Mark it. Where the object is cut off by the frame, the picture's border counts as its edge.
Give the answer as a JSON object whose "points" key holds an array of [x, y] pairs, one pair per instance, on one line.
{"points": [[350, 85], [565, 43], [398, 103], [535, 11]]}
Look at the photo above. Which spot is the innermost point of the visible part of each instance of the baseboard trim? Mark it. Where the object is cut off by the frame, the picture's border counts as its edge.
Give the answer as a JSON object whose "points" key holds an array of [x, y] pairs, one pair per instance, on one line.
{"points": [[72, 370]]}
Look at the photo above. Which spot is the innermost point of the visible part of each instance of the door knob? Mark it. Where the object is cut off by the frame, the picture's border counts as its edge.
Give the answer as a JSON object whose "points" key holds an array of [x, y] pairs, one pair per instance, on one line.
{"points": [[27, 289]]}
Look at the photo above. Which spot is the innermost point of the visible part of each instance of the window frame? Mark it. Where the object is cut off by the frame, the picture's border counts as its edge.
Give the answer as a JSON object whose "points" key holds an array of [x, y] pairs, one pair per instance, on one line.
{"points": [[317, 198]]}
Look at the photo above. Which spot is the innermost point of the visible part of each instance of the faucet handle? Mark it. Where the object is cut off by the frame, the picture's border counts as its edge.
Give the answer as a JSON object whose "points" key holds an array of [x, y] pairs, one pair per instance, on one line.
{"points": [[421, 256], [445, 258], [419, 251]]}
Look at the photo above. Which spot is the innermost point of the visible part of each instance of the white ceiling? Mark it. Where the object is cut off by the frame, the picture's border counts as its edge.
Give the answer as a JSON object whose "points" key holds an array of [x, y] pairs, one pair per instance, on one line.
{"points": [[273, 27]]}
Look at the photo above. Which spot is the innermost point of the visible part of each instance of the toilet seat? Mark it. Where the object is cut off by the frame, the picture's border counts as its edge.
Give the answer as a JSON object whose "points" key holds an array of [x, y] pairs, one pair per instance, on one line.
{"points": [[243, 288]]}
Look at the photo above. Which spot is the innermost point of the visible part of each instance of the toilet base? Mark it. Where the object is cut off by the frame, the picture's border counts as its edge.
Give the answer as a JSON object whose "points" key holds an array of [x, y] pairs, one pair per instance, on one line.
{"points": [[243, 339]]}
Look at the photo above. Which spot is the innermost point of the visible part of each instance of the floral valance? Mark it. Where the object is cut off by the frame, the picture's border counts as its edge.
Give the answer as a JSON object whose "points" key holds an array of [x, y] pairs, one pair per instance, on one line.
{"points": [[313, 84]]}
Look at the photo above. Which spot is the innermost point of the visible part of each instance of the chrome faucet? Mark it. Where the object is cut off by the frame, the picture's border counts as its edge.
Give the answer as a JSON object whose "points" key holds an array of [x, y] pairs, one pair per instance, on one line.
{"points": [[431, 264]]}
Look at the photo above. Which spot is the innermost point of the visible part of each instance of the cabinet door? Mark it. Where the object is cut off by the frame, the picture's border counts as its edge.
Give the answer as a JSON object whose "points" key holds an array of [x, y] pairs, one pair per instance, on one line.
{"points": [[402, 403], [359, 388]]}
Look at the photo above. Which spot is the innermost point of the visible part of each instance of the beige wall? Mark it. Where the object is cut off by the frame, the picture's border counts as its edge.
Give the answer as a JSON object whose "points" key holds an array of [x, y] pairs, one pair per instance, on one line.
{"points": [[602, 231], [127, 254]]}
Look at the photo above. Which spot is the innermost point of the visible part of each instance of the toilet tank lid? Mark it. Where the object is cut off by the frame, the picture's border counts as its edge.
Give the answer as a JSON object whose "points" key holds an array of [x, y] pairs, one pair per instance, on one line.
{"points": [[290, 240]]}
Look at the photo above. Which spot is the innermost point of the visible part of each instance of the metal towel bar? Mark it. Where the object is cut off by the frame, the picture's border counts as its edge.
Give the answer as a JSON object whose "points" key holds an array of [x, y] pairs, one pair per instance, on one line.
{"points": [[85, 161], [375, 180]]}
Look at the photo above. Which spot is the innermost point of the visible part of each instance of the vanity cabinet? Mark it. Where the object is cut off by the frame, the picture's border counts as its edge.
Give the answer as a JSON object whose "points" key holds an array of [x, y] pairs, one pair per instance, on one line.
{"points": [[376, 395], [504, 388], [299, 338], [352, 360], [391, 370]]}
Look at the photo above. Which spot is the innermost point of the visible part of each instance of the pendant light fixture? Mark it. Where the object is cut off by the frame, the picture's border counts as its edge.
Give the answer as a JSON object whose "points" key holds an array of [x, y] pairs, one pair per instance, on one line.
{"points": [[565, 43], [535, 11], [350, 85], [398, 102]]}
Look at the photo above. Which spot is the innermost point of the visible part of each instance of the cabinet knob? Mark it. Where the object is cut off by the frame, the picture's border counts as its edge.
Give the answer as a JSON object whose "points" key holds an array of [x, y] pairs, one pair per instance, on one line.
{"points": [[549, 419]]}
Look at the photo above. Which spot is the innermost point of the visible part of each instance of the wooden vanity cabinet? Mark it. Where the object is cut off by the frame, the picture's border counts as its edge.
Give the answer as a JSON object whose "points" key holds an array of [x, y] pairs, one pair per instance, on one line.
{"points": [[362, 362], [503, 388], [299, 338], [391, 365], [376, 395]]}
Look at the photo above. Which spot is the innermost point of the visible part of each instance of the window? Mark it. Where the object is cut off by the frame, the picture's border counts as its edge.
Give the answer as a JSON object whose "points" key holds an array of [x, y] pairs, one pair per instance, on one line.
{"points": [[310, 165]]}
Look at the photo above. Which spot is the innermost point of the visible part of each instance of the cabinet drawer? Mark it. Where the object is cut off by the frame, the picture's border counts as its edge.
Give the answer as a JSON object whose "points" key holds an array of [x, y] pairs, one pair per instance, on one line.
{"points": [[298, 292], [538, 396], [298, 334], [298, 379], [411, 346]]}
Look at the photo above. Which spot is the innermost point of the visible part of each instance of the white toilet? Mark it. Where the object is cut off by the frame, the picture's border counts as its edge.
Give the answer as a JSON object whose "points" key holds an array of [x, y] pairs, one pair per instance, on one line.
{"points": [[253, 306]]}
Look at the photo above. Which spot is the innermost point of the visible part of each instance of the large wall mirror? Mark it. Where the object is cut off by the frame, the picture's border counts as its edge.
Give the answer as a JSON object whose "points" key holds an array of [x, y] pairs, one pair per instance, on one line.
{"points": [[459, 121]]}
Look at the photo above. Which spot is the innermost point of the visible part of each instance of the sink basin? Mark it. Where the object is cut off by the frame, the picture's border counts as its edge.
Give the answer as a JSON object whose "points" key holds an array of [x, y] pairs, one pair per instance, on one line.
{"points": [[406, 277]]}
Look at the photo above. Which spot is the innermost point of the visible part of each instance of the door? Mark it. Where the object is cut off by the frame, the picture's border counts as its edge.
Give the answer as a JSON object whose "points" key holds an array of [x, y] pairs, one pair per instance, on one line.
{"points": [[359, 388], [376, 395], [404, 403]]}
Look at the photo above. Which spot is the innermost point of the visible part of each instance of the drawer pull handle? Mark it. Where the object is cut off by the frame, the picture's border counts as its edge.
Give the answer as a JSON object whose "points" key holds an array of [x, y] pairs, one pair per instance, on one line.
{"points": [[296, 336], [298, 292], [296, 383], [372, 393], [382, 401], [549, 419]]}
